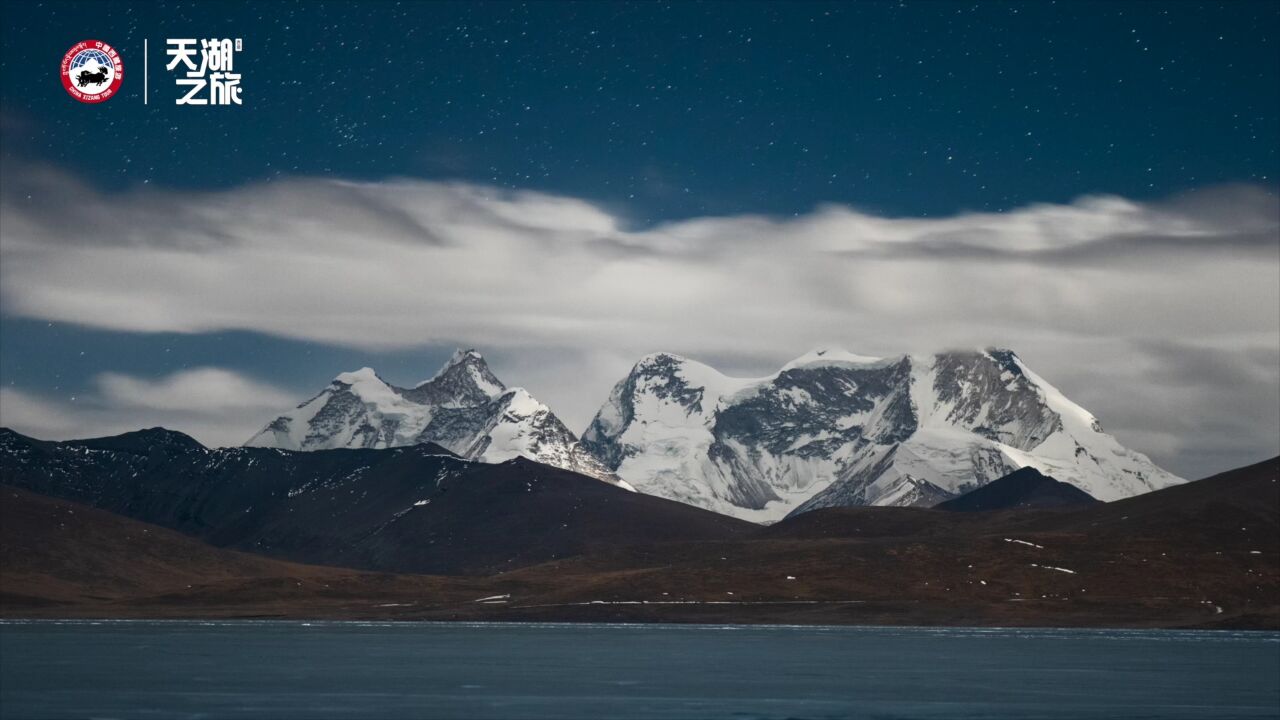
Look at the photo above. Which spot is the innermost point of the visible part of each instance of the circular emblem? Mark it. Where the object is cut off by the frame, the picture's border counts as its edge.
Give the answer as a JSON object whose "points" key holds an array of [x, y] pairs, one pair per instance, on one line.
{"points": [[92, 71]]}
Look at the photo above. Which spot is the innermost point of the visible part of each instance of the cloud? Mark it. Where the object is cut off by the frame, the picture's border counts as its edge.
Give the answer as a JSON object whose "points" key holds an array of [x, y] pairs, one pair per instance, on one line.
{"points": [[210, 389], [1104, 296], [37, 416], [216, 406]]}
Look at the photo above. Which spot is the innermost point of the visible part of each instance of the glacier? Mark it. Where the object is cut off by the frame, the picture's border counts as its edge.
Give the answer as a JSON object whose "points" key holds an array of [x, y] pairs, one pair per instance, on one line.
{"points": [[463, 408], [832, 428]]}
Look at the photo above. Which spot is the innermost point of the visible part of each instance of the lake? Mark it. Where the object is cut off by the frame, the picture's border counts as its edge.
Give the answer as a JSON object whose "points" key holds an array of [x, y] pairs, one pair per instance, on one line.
{"points": [[256, 669]]}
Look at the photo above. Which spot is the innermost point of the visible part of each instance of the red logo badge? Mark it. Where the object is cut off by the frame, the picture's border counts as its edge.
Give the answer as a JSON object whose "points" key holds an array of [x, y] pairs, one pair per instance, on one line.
{"points": [[92, 71]]}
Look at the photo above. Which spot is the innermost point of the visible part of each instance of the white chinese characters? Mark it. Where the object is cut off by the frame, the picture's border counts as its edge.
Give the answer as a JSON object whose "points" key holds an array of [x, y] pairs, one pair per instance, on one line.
{"points": [[214, 72]]}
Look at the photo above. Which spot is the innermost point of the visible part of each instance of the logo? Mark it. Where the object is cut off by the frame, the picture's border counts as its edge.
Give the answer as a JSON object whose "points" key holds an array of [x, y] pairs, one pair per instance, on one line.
{"points": [[212, 81], [92, 71]]}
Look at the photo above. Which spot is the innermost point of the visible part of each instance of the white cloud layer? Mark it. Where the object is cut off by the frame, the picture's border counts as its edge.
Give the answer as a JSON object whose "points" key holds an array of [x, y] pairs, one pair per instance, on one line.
{"points": [[1162, 318], [216, 406]]}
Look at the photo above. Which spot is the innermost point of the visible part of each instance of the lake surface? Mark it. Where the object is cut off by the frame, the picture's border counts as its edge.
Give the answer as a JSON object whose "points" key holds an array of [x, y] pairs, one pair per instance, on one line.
{"points": [[124, 669]]}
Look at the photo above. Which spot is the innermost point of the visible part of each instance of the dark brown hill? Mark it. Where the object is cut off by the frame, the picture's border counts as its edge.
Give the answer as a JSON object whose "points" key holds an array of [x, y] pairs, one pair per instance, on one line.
{"points": [[1201, 555], [1023, 488], [57, 553], [414, 509], [1226, 501]]}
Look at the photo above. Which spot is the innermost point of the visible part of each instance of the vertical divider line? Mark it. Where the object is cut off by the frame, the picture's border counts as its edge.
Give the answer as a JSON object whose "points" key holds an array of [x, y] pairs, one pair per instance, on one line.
{"points": [[146, 70]]}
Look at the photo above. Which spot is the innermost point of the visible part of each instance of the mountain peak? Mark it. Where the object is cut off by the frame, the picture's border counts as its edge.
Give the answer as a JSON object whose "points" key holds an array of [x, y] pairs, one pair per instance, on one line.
{"points": [[357, 377], [836, 428], [463, 409], [522, 399], [660, 360], [1003, 356], [145, 440], [1022, 488], [830, 356], [464, 355], [466, 371]]}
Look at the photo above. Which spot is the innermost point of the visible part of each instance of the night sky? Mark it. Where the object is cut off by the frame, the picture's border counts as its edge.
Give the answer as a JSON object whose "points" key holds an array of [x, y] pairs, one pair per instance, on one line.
{"points": [[678, 110], [652, 112]]}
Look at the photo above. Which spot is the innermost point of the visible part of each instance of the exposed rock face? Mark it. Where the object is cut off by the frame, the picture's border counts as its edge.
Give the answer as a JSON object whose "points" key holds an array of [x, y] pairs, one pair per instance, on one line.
{"points": [[464, 409], [836, 429]]}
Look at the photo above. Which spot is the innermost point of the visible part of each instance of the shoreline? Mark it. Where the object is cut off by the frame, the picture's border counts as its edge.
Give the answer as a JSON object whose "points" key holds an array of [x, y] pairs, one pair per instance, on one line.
{"points": [[599, 615], [321, 621]]}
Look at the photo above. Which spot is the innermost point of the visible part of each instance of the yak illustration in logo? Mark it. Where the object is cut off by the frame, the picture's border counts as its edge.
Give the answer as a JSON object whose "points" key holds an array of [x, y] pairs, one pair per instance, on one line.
{"points": [[91, 71], [85, 77]]}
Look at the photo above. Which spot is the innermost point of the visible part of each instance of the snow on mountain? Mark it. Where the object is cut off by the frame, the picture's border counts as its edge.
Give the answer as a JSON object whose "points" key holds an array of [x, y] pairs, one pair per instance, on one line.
{"points": [[835, 429], [463, 408]]}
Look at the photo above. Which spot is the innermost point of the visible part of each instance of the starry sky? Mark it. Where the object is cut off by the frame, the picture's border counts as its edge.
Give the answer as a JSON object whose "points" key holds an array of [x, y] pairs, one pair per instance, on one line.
{"points": [[652, 116]]}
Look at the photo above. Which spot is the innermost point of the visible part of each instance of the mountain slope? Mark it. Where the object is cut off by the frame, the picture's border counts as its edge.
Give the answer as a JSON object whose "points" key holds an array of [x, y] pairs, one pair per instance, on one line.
{"points": [[463, 408], [1201, 554], [57, 550], [417, 508], [1204, 554], [64, 559], [1236, 507], [835, 429], [1024, 488]]}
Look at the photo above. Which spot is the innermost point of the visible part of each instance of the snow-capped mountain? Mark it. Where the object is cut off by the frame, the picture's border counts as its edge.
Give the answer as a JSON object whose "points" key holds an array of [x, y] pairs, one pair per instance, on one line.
{"points": [[836, 429], [464, 409]]}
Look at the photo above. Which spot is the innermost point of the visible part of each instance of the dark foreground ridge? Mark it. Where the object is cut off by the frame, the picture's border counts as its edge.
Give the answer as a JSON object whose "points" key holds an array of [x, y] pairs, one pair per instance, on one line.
{"points": [[1198, 555], [414, 509], [1023, 488]]}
